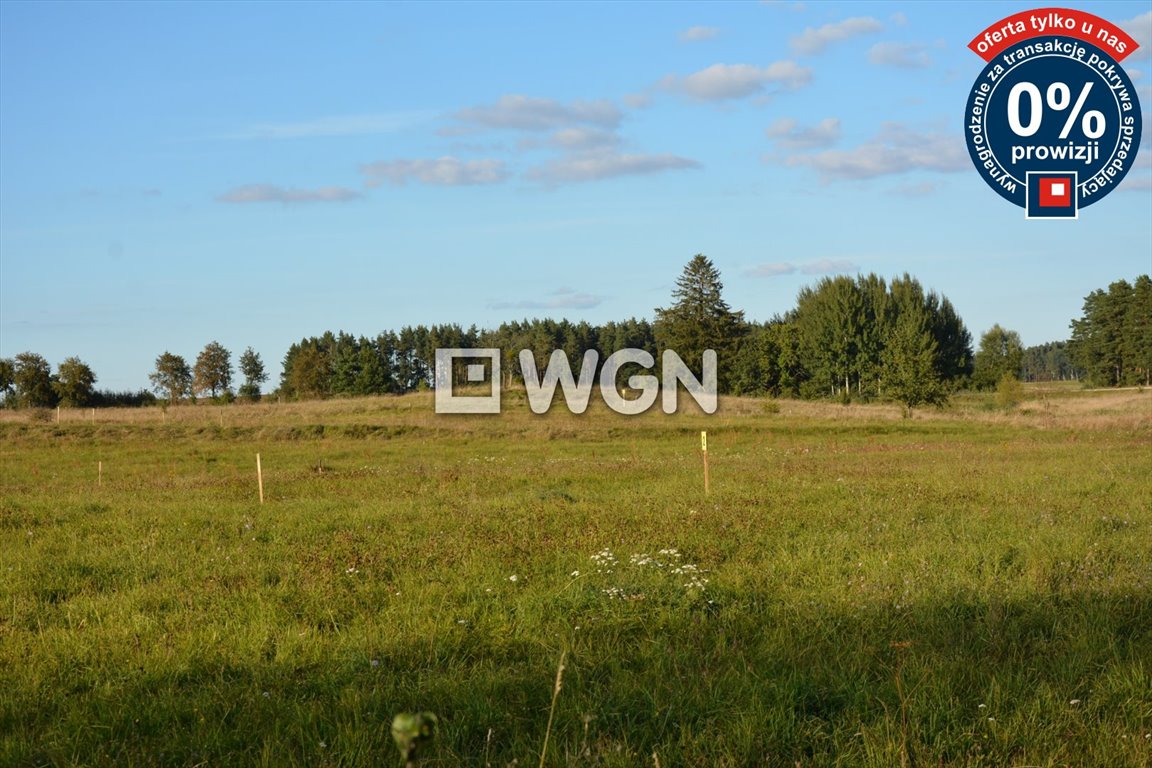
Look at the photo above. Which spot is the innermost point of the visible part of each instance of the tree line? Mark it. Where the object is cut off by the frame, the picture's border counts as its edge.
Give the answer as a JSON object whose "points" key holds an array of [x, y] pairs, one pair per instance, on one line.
{"points": [[847, 338], [1112, 341], [27, 381]]}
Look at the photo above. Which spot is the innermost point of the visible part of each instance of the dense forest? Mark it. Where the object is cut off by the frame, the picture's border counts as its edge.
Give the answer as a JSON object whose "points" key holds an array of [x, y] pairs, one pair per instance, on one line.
{"points": [[1112, 342], [861, 338], [846, 338]]}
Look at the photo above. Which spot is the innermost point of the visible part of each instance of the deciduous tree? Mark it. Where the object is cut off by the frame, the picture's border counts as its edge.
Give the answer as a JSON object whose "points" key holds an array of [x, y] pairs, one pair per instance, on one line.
{"points": [[252, 368], [1000, 353], [306, 372], [7, 380], [910, 373], [74, 383], [172, 377], [32, 377], [213, 371]]}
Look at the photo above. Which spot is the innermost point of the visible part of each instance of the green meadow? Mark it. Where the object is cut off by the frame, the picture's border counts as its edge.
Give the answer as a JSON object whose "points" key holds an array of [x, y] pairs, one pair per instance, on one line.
{"points": [[967, 587]]}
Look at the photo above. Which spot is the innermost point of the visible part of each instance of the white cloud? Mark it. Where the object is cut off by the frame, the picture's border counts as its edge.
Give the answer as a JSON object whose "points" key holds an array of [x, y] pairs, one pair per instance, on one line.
{"points": [[902, 55], [735, 81], [1140, 28], [605, 163], [338, 125], [571, 140], [583, 138], [524, 113], [270, 193], [819, 267], [786, 133], [638, 100], [812, 41], [895, 149], [775, 269], [444, 171], [696, 34], [563, 298]]}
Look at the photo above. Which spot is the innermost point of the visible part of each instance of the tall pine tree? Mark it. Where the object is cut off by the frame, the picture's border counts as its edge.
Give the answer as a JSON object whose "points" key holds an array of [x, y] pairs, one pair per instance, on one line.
{"points": [[700, 319]]}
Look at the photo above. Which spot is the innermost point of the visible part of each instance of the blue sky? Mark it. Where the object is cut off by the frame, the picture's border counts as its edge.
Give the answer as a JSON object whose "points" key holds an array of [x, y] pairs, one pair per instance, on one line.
{"points": [[173, 174]]}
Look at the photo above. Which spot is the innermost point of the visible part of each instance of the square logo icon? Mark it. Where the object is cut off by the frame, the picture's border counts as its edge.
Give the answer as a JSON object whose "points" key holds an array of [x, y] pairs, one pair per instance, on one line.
{"points": [[1055, 193], [474, 372], [1052, 195]]}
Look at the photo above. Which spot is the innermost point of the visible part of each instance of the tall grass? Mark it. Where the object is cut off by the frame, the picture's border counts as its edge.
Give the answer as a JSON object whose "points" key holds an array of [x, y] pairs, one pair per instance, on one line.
{"points": [[968, 588]]}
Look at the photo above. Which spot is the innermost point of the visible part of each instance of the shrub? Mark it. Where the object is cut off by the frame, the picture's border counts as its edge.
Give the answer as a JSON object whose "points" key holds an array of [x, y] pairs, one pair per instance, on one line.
{"points": [[1009, 392]]}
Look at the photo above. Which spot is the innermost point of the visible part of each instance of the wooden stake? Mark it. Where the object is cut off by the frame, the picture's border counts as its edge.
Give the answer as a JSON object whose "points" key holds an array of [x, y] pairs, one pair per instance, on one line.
{"points": [[57, 414], [93, 416], [260, 478], [704, 450], [99, 474]]}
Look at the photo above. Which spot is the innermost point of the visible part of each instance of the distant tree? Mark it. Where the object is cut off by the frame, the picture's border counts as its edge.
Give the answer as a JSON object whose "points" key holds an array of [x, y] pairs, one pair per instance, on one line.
{"points": [[384, 346], [910, 373], [753, 368], [881, 306], [700, 319], [843, 327], [103, 398], [252, 368], [1097, 343], [7, 380], [372, 377], [629, 334], [306, 370], [213, 371], [414, 361], [172, 377], [1048, 362], [1112, 341], [831, 318], [343, 363], [509, 338], [32, 377], [74, 383], [953, 342], [785, 338], [1137, 344], [1000, 353], [1009, 392]]}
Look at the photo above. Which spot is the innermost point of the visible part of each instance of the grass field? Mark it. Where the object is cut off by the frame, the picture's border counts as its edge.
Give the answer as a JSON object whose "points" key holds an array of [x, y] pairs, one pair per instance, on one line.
{"points": [[963, 588]]}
